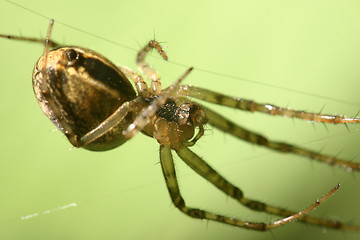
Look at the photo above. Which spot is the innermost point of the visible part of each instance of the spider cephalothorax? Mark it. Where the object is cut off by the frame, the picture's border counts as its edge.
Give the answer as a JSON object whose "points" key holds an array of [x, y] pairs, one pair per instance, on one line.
{"points": [[175, 122]]}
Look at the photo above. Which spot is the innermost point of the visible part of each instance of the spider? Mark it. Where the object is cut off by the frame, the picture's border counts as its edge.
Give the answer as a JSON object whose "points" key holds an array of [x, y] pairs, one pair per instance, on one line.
{"points": [[94, 104]]}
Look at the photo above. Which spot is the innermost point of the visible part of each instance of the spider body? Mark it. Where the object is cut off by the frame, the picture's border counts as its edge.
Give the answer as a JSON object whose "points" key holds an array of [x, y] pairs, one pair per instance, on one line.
{"points": [[78, 83], [93, 103]]}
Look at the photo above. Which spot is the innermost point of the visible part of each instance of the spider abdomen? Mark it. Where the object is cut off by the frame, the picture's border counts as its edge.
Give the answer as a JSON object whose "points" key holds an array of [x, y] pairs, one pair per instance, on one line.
{"points": [[81, 90]]}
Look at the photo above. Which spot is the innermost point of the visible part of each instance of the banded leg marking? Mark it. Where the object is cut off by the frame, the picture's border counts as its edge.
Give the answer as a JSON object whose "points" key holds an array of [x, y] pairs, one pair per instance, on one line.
{"points": [[251, 106], [231, 128], [207, 172]]}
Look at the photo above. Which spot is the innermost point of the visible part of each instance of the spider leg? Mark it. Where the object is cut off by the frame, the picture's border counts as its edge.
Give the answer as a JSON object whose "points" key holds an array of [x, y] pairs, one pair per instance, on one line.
{"points": [[251, 106], [202, 168], [146, 69], [138, 80], [207, 172], [147, 113], [111, 122], [230, 127], [42, 79], [30, 39]]}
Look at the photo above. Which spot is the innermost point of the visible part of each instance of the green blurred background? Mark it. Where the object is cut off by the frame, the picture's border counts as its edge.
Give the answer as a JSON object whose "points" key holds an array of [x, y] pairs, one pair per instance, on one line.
{"points": [[310, 46]]}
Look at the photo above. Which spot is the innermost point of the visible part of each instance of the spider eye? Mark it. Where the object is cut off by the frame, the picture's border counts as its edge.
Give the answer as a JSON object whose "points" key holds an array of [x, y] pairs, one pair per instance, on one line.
{"points": [[72, 56]]}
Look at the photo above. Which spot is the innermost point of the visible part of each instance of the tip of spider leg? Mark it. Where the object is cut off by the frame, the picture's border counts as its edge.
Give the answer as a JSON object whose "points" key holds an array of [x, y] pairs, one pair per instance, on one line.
{"points": [[189, 70], [163, 54]]}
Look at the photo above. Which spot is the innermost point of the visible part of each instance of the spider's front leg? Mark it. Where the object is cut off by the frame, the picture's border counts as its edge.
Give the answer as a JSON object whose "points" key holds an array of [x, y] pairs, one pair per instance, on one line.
{"points": [[224, 124], [145, 68], [202, 168], [251, 106], [160, 96], [147, 113]]}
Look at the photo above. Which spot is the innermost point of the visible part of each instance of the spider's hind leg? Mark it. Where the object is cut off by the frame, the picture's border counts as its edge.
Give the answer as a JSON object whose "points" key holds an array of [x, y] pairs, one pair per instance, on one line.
{"points": [[202, 168]]}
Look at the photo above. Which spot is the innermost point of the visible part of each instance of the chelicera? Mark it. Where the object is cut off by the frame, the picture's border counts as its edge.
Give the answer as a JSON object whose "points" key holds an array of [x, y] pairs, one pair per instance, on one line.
{"points": [[92, 101]]}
